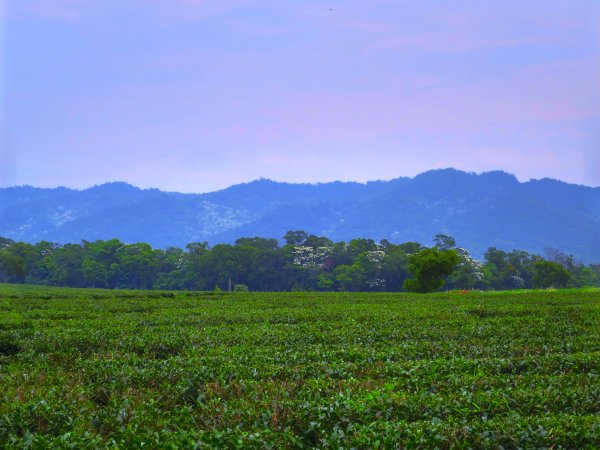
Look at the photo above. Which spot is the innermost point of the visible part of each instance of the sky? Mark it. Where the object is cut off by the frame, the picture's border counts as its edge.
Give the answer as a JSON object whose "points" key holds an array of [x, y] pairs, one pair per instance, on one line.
{"points": [[197, 95]]}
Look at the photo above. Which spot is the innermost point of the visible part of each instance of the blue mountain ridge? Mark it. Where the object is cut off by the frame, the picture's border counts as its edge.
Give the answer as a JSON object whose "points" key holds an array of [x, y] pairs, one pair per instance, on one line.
{"points": [[479, 210]]}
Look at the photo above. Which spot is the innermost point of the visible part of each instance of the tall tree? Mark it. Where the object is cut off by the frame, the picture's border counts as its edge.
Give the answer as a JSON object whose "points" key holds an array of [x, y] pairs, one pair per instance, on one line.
{"points": [[429, 267], [549, 274], [12, 267], [444, 241]]}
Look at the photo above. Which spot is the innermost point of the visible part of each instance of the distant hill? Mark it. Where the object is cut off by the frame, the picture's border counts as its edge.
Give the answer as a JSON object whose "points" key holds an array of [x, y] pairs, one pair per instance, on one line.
{"points": [[490, 209]]}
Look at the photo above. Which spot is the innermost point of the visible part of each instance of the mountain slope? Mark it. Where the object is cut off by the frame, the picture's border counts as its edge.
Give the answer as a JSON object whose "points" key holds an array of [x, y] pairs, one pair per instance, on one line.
{"points": [[491, 209]]}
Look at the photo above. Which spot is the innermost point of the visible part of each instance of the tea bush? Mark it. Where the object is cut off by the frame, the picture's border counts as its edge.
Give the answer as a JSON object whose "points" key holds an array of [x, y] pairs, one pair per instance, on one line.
{"points": [[93, 368]]}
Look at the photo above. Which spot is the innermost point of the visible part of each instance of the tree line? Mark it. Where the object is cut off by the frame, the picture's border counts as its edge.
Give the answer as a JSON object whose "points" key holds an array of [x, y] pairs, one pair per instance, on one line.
{"points": [[303, 262]]}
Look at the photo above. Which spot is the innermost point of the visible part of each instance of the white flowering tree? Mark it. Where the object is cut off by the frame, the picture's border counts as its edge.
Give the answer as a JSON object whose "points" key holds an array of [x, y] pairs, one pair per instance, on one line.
{"points": [[469, 273]]}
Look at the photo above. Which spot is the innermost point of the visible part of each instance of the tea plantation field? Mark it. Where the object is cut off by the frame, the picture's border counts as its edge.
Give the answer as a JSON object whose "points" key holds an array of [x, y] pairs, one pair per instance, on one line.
{"points": [[92, 368]]}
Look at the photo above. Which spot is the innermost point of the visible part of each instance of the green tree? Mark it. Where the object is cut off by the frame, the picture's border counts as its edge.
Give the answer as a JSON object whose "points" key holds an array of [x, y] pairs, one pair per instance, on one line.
{"points": [[6, 243], [523, 262], [357, 246], [468, 274], [295, 238], [136, 266], [512, 270], [12, 267], [224, 262], [258, 243], [350, 278], [170, 273], [595, 268], [428, 268], [105, 253], [549, 274], [444, 241], [197, 268], [318, 241], [587, 278], [394, 270], [411, 247], [94, 274], [65, 265]]}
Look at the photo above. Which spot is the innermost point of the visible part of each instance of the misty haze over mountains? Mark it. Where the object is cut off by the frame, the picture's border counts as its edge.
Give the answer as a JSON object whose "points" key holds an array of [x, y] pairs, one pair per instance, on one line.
{"points": [[480, 211]]}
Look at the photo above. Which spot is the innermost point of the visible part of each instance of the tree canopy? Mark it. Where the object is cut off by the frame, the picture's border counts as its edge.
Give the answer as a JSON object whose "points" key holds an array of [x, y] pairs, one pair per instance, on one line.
{"points": [[300, 261], [429, 267]]}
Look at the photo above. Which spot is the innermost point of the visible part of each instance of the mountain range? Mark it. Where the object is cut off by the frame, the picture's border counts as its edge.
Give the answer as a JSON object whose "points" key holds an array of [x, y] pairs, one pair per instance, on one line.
{"points": [[479, 210]]}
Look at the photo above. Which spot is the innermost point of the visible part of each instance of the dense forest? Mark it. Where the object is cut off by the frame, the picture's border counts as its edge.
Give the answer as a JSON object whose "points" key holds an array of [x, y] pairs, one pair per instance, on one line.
{"points": [[304, 262]]}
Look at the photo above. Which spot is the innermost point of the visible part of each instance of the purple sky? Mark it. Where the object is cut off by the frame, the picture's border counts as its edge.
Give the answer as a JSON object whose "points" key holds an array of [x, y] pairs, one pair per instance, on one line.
{"points": [[196, 95]]}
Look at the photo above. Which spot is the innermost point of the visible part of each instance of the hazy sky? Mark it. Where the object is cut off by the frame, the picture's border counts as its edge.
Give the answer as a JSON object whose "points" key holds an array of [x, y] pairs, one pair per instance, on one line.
{"points": [[195, 95]]}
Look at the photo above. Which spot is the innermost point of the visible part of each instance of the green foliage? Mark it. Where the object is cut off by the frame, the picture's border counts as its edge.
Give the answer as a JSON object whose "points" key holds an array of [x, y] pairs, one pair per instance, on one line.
{"points": [[295, 238], [587, 278], [161, 369], [305, 263], [512, 270], [394, 270], [94, 274], [444, 242], [350, 277], [429, 267], [12, 267], [548, 274]]}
